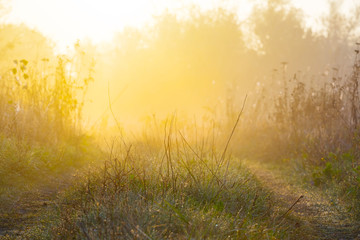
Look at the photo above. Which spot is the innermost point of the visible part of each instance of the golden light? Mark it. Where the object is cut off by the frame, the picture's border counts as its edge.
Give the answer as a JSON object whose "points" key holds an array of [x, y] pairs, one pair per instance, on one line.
{"points": [[65, 21]]}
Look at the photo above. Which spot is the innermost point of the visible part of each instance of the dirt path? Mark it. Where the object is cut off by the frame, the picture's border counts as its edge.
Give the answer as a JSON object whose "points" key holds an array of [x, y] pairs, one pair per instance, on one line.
{"points": [[327, 219], [23, 211]]}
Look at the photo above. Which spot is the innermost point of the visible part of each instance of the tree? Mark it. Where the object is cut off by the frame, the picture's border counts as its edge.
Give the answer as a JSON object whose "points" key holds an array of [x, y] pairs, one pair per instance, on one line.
{"points": [[178, 63], [279, 29], [283, 37]]}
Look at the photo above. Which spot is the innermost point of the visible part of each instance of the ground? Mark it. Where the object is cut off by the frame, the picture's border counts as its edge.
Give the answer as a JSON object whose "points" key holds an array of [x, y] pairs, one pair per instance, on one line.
{"points": [[319, 215], [326, 218], [26, 208]]}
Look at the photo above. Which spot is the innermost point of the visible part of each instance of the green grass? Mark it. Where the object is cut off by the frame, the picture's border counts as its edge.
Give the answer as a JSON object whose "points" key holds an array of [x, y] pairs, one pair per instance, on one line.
{"points": [[23, 162], [165, 193], [27, 168], [337, 175]]}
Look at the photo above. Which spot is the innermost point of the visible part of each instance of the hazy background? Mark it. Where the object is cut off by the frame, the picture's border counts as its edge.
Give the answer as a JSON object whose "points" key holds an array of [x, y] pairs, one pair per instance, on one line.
{"points": [[192, 57]]}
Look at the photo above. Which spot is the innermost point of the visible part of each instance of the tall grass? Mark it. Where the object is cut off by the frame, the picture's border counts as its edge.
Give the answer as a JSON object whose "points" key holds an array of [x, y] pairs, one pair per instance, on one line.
{"points": [[311, 123], [175, 183], [40, 134], [42, 102]]}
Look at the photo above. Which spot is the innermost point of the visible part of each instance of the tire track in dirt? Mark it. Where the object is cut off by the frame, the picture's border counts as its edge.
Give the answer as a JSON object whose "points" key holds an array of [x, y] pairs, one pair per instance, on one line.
{"points": [[26, 210], [23, 212], [325, 219]]}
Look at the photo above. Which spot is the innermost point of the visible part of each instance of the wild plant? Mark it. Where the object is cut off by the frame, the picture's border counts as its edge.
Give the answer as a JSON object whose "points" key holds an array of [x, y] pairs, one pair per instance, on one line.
{"points": [[175, 186], [42, 101]]}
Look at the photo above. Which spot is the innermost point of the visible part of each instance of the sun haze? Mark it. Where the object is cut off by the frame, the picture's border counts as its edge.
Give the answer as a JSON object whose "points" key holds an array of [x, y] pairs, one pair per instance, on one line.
{"points": [[169, 119], [65, 21], [118, 25]]}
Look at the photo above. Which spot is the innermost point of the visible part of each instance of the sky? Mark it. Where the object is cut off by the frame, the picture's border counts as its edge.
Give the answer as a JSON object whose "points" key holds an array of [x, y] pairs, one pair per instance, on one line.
{"points": [[66, 21]]}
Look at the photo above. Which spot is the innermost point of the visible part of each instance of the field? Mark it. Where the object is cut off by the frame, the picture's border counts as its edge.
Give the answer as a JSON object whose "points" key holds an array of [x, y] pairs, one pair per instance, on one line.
{"points": [[195, 127]]}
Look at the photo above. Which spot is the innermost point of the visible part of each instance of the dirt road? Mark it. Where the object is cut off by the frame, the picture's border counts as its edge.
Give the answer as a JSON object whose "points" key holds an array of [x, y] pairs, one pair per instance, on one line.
{"points": [[325, 217]]}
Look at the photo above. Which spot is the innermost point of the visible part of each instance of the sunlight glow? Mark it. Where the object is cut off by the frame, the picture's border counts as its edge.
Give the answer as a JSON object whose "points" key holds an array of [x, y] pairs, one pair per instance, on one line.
{"points": [[65, 21]]}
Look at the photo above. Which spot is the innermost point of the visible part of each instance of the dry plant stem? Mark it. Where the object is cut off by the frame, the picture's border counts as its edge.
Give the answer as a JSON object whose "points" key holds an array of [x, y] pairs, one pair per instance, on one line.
{"points": [[143, 233], [292, 206], [168, 153], [113, 115], [105, 111], [189, 171], [197, 155], [229, 139]]}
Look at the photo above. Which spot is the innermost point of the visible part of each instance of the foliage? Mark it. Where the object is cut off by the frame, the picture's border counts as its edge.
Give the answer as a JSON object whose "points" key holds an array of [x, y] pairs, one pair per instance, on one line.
{"points": [[176, 181], [171, 189], [313, 127], [39, 104]]}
